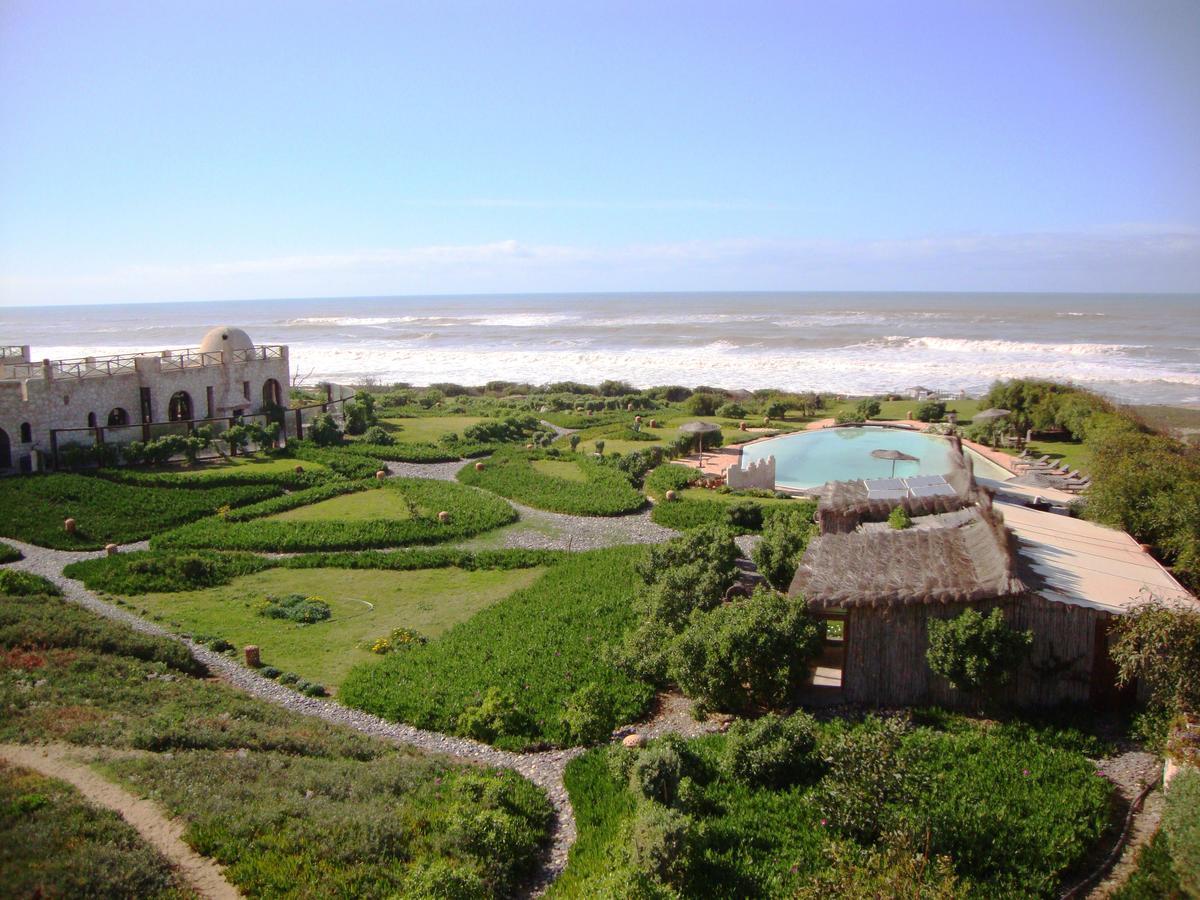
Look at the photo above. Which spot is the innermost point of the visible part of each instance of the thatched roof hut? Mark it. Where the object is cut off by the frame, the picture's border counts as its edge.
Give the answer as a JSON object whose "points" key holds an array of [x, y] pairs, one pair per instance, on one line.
{"points": [[968, 561]]}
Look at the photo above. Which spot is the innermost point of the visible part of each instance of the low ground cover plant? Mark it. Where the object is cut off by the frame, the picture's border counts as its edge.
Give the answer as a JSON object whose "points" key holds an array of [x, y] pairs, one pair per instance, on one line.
{"points": [[603, 491], [9, 553], [509, 672], [303, 807], [295, 608], [25, 584], [35, 508], [57, 844], [469, 511], [754, 812]]}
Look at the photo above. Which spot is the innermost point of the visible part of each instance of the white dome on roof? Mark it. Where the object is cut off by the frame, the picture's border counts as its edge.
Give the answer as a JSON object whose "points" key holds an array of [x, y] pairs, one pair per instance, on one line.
{"points": [[226, 337]]}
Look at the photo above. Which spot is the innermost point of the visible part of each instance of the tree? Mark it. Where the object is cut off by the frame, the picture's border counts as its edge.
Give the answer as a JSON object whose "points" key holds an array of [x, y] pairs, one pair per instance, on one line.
{"points": [[703, 404], [868, 408], [931, 411], [785, 537], [323, 431], [974, 652], [599, 447], [573, 440]]}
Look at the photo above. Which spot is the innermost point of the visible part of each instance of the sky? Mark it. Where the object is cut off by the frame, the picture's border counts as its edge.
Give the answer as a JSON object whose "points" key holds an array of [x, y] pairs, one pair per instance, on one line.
{"points": [[224, 150]]}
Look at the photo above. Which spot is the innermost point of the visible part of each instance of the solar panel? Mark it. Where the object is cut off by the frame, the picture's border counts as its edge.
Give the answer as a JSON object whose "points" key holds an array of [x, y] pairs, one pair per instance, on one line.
{"points": [[924, 480], [887, 494], [933, 490], [885, 484]]}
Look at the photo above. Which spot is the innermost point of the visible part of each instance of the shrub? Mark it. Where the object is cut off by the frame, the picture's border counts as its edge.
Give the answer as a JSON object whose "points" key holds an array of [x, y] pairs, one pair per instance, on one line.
{"points": [[658, 843], [772, 751], [744, 515], [378, 435], [973, 652], [785, 536], [655, 774], [587, 717], [669, 477], [398, 639], [1181, 823], [323, 431], [269, 672], [746, 654], [14, 583], [295, 608], [931, 411], [495, 715], [703, 404], [868, 781], [9, 553], [443, 879], [899, 518], [732, 410], [149, 571], [867, 409], [1160, 645]]}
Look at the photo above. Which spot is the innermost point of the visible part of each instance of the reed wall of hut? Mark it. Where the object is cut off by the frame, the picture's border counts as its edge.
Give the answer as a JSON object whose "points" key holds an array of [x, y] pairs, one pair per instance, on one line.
{"points": [[885, 662]]}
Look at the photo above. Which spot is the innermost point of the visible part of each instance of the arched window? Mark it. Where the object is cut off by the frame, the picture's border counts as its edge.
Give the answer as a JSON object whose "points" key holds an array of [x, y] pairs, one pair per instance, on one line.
{"points": [[180, 407], [5, 451], [117, 417], [272, 395], [26, 433], [91, 420]]}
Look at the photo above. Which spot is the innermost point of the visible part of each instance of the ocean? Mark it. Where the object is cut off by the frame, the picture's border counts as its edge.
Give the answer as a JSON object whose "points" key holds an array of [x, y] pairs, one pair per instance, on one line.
{"points": [[1135, 348]]}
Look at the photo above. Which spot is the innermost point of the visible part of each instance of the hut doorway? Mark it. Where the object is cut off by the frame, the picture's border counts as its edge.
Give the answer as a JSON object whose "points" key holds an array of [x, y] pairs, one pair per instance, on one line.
{"points": [[5, 450], [825, 688]]}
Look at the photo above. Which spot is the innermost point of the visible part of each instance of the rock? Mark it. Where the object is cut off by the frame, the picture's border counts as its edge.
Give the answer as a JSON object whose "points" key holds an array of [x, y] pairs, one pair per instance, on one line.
{"points": [[742, 426], [443, 517], [671, 495], [69, 526], [633, 741], [380, 475], [529, 446], [478, 467], [111, 549]]}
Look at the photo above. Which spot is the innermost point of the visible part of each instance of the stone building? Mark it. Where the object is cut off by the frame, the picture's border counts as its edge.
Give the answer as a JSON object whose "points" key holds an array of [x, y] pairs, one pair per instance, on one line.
{"points": [[120, 398]]}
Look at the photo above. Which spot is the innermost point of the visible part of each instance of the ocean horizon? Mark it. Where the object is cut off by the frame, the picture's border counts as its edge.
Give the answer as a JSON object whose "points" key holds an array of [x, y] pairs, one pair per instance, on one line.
{"points": [[1140, 348]]}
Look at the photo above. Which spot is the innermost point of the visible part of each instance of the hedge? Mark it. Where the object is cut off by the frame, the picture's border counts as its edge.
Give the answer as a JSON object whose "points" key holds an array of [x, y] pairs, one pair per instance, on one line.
{"points": [[684, 513], [471, 512], [606, 492], [233, 477], [537, 648], [35, 507]]}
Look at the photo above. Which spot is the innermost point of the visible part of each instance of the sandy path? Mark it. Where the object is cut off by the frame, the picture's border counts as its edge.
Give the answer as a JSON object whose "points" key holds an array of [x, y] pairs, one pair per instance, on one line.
{"points": [[155, 827]]}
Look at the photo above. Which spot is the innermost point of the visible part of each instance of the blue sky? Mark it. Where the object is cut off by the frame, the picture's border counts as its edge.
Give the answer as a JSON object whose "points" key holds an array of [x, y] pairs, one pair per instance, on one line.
{"points": [[219, 150]]}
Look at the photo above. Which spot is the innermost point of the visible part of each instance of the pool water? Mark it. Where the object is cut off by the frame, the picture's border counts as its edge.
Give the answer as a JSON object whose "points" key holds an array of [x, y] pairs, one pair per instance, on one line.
{"points": [[808, 459]]}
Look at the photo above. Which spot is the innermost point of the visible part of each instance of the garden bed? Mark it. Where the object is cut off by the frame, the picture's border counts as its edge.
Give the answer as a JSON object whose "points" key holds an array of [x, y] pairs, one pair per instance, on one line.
{"points": [[590, 489]]}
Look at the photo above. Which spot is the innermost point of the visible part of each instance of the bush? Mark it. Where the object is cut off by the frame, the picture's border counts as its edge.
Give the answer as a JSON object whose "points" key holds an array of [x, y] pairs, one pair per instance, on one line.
{"points": [[14, 583], [869, 781], [269, 672], [973, 652], [443, 879], [746, 654], [378, 435], [732, 410], [931, 411], [495, 715], [157, 572], [658, 843], [9, 553], [744, 515], [899, 518], [655, 774], [1181, 824], [1160, 645], [295, 608], [785, 537], [703, 404], [772, 751], [587, 717], [323, 431]]}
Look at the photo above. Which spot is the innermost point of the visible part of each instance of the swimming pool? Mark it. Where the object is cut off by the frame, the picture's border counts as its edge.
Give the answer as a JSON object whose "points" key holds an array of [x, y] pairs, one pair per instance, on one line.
{"points": [[808, 459]]}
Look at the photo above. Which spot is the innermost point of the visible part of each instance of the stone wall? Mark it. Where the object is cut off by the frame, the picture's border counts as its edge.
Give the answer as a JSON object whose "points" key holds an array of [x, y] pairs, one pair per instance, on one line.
{"points": [[757, 475]]}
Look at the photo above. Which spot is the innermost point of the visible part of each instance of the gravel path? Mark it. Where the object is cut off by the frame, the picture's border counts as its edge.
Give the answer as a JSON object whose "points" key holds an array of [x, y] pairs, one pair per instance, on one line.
{"points": [[439, 471]]}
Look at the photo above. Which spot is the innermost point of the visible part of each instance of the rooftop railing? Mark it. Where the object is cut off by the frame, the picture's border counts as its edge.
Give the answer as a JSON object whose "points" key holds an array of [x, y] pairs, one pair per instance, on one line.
{"points": [[169, 360]]}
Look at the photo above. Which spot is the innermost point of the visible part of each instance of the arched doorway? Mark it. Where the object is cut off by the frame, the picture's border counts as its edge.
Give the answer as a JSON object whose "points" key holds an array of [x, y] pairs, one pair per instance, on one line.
{"points": [[180, 407], [272, 395], [117, 417], [5, 450]]}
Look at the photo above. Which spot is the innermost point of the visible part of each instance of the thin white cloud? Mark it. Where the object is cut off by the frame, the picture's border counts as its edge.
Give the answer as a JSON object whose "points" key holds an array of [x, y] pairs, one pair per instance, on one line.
{"points": [[1134, 258]]}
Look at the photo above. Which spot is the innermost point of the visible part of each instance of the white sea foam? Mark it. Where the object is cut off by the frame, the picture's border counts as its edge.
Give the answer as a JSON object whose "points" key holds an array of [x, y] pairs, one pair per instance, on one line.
{"points": [[961, 345]]}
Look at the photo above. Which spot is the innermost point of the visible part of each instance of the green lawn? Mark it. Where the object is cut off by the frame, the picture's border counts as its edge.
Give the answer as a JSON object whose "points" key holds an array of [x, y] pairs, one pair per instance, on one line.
{"points": [[557, 468], [668, 430], [367, 604], [1076, 454], [356, 507], [429, 428]]}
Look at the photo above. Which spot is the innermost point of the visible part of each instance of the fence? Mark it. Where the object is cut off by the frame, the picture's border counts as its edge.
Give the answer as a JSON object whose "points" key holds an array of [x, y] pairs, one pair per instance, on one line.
{"points": [[293, 424]]}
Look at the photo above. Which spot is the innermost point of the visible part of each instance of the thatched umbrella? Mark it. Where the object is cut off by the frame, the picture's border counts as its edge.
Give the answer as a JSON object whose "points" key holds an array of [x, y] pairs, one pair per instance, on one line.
{"points": [[701, 429], [989, 415], [894, 456]]}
